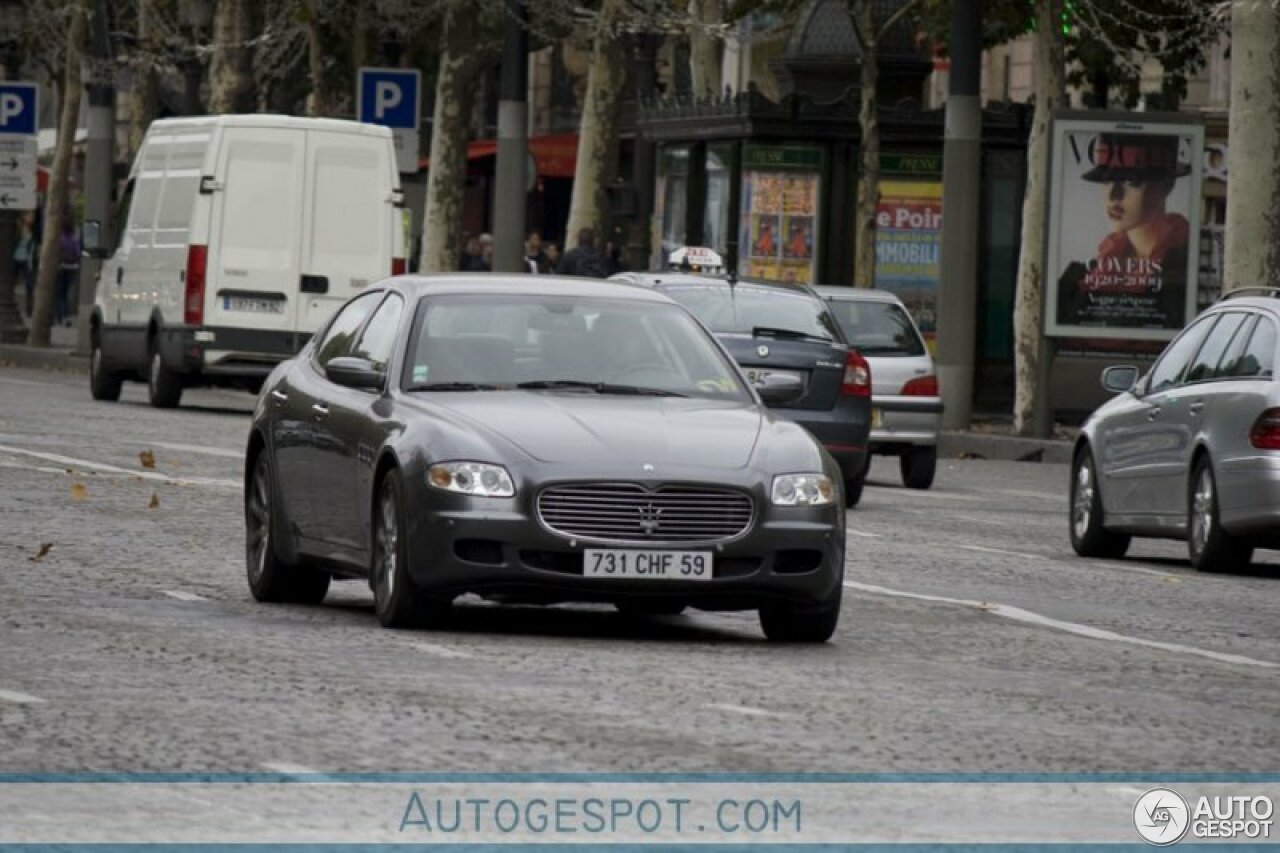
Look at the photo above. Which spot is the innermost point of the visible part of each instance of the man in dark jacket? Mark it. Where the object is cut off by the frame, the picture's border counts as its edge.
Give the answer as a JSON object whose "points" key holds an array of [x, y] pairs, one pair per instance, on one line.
{"points": [[584, 259]]}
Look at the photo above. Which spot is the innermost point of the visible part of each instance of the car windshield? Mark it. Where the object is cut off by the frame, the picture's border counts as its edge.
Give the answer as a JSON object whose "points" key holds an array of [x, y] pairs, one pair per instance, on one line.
{"points": [[536, 342], [743, 308], [877, 328]]}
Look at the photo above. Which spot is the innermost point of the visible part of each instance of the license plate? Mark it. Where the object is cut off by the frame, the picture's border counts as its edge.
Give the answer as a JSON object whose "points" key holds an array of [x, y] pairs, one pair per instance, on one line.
{"points": [[647, 565], [253, 306], [877, 418], [758, 376]]}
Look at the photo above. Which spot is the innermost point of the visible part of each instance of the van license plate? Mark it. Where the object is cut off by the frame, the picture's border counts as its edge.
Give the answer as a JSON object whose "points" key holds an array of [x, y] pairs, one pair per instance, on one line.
{"points": [[647, 565], [250, 305]]}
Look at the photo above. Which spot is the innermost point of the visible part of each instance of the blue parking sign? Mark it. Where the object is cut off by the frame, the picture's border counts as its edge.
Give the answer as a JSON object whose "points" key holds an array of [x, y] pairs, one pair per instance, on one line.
{"points": [[389, 96], [18, 108]]}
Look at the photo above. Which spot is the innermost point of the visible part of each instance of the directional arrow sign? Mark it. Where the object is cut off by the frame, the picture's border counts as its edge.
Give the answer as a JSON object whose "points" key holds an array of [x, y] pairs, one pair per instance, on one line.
{"points": [[17, 172]]}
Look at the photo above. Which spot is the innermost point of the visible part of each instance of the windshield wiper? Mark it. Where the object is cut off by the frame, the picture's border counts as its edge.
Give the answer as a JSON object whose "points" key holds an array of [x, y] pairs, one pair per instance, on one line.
{"points": [[451, 386], [792, 334], [597, 387]]}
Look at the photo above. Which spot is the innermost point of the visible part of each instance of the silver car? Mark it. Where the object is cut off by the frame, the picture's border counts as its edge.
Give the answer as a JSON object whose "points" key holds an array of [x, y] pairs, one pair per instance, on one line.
{"points": [[1191, 450], [906, 407]]}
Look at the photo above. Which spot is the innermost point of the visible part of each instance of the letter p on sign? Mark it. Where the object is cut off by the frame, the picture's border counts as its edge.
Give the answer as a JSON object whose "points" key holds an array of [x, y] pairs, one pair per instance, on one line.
{"points": [[18, 108], [387, 95], [10, 107]]}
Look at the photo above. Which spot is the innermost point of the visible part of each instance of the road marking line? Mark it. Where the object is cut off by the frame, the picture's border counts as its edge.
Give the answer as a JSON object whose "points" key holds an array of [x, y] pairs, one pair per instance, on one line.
{"points": [[1141, 570], [745, 710], [984, 550], [191, 448], [9, 381], [98, 466], [184, 596], [1018, 493], [1017, 614], [289, 769], [440, 651], [19, 698], [864, 534]]}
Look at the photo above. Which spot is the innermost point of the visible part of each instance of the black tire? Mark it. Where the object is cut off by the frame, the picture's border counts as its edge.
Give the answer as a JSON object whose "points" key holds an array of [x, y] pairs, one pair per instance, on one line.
{"points": [[788, 624], [650, 608], [164, 387], [1210, 548], [270, 578], [1089, 535], [396, 598], [103, 384], [853, 489], [918, 466]]}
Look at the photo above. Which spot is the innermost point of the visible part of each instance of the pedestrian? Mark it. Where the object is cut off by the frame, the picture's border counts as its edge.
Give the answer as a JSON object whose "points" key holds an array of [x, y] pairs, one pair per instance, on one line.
{"points": [[486, 253], [68, 271], [552, 251], [471, 261], [584, 259], [534, 257], [23, 265]]}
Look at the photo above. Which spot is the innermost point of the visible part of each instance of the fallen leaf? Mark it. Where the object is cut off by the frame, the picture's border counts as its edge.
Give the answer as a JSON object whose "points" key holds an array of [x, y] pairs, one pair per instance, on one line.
{"points": [[69, 471], [45, 548], [155, 501], [147, 458], [79, 492]]}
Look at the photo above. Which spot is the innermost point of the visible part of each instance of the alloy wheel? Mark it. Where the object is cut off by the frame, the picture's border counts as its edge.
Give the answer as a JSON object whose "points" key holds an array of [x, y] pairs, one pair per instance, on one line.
{"points": [[388, 546], [1202, 500], [258, 511], [1082, 506]]}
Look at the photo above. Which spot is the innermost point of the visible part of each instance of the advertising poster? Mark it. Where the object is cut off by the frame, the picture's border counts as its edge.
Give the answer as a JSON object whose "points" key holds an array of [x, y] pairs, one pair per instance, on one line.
{"points": [[909, 247], [1124, 205], [780, 213]]}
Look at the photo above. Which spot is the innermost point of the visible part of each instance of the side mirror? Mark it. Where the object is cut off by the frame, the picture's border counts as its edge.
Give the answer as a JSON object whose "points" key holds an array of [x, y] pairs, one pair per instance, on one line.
{"points": [[1120, 379], [352, 372], [91, 242], [778, 389]]}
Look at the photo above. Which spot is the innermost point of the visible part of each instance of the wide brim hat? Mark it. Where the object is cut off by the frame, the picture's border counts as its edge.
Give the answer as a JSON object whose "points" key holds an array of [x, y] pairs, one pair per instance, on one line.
{"points": [[1135, 157]]}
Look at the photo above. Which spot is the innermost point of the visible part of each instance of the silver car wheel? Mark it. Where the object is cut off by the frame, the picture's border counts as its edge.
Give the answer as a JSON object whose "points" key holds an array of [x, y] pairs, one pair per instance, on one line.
{"points": [[156, 366], [258, 513], [1202, 510], [1082, 506], [388, 545]]}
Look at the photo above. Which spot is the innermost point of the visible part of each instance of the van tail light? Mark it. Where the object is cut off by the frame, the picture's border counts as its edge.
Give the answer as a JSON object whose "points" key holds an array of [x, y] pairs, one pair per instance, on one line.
{"points": [[193, 304], [857, 375], [397, 266], [1265, 434], [921, 386]]}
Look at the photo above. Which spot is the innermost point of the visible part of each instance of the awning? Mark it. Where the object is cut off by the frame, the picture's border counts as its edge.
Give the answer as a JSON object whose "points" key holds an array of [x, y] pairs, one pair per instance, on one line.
{"points": [[556, 155]]}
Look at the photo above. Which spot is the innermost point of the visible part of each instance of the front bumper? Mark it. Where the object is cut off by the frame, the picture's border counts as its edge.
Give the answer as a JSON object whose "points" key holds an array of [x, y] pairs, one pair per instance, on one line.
{"points": [[494, 547], [222, 351]]}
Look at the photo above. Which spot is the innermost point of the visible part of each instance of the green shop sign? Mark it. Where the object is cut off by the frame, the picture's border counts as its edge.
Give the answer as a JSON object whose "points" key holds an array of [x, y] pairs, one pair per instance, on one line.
{"points": [[806, 158], [911, 165]]}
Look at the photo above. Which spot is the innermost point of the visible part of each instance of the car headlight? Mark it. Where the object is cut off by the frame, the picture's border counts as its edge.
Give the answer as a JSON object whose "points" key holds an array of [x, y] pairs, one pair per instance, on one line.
{"points": [[802, 490], [472, 478]]}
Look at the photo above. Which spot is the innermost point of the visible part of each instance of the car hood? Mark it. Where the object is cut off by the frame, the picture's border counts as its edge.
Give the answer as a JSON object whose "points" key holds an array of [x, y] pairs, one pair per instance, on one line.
{"points": [[554, 426]]}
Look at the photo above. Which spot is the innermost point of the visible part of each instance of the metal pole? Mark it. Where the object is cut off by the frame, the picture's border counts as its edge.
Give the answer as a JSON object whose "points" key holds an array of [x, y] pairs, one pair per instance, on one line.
{"points": [[99, 159], [510, 187], [11, 328], [962, 156]]}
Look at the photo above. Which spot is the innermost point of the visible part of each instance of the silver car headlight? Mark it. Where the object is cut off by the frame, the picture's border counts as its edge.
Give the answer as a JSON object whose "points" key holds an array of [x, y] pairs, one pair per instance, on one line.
{"points": [[478, 479], [803, 490]]}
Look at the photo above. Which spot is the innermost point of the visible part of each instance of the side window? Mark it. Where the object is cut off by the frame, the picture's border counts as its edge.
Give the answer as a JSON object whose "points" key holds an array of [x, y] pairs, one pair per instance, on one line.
{"points": [[1260, 353], [1172, 366], [337, 337], [1206, 361], [379, 337], [1231, 358], [121, 218]]}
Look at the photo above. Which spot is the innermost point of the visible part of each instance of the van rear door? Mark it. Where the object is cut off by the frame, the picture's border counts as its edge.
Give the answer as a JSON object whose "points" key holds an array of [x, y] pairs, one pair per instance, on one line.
{"points": [[348, 231], [256, 230]]}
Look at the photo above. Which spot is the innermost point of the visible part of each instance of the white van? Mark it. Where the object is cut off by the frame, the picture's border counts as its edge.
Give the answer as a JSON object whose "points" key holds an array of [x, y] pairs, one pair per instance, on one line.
{"points": [[237, 237]]}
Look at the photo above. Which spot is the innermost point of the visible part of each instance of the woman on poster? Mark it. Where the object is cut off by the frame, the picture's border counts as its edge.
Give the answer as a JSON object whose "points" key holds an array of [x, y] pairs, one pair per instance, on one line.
{"points": [[1138, 278]]}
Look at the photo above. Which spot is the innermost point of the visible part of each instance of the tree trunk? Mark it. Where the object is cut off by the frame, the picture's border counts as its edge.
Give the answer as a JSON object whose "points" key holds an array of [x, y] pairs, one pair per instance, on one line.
{"points": [[1028, 309], [57, 207], [447, 174], [231, 88], [318, 100], [864, 263], [705, 49], [597, 134], [142, 106], [1253, 203]]}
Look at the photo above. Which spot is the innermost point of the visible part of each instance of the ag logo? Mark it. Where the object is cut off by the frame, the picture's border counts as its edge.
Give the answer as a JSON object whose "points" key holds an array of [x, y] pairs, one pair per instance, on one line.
{"points": [[1161, 817]]}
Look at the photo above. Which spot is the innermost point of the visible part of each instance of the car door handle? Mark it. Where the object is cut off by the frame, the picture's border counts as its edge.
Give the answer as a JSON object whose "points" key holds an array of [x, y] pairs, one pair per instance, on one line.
{"points": [[279, 396], [320, 410], [1154, 413], [119, 275], [1196, 408]]}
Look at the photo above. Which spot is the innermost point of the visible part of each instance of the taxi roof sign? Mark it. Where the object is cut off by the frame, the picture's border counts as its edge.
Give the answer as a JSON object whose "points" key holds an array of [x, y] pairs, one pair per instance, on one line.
{"points": [[696, 259]]}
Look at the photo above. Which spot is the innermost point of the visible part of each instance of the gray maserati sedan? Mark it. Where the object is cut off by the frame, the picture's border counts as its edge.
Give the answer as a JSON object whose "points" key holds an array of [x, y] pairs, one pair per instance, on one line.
{"points": [[538, 441]]}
